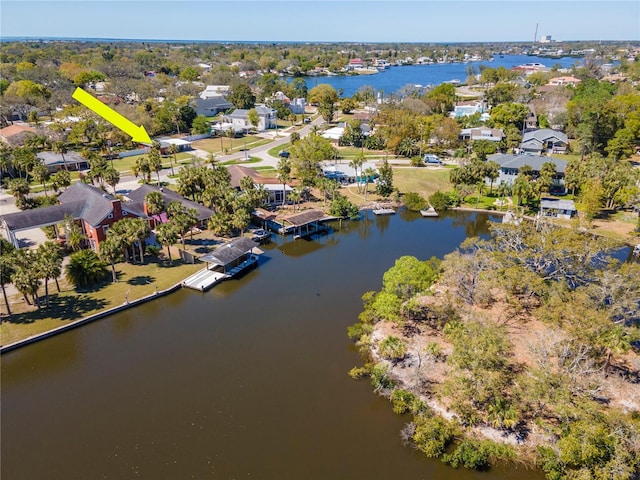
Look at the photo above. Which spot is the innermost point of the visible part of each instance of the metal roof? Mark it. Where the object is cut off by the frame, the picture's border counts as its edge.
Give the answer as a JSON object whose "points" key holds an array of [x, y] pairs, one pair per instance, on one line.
{"points": [[302, 218], [229, 252]]}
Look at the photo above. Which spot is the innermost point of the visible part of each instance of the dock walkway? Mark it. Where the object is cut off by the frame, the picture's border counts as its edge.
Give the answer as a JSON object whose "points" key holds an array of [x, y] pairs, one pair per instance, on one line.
{"points": [[204, 279]]}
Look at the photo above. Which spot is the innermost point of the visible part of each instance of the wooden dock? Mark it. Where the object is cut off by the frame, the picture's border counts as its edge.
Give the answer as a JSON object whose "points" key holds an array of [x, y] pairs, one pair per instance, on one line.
{"points": [[384, 211]]}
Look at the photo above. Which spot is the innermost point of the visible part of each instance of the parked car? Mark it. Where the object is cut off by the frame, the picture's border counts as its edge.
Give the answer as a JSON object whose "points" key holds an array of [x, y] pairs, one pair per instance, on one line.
{"points": [[431, 159], [284, 154], [307, 120]]}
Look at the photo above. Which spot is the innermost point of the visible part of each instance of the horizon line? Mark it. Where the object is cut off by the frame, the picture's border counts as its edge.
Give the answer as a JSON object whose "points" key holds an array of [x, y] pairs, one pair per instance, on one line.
{"points": [[167, 40]]}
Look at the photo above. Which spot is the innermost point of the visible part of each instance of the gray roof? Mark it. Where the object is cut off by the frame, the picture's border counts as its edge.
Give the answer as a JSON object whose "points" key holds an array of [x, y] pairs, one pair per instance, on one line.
{"points": [[534, 161], [53, 158], [242, 113], [217, 103], [138, 195], [97, 203], [302, 218], [552, 203], [544, 135], [231, 251], [39, 217]]}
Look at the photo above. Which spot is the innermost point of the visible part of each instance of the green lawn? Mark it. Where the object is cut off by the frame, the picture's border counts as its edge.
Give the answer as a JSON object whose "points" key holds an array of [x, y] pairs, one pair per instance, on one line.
{"points": [[135, 281], [424, 181], [225, 145]]}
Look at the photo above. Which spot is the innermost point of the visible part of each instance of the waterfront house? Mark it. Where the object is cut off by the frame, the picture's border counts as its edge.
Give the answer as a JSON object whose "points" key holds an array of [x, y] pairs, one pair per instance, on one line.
{"points": [[276, 190], [553, 207], [58, 161], [136, 199], [510, 165], [566, 80], [94, 209], [543, 141]]}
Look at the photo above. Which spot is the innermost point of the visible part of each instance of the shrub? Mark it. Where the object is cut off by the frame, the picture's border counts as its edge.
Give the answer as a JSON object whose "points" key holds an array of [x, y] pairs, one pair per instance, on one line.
{"points": [[393, 348], [440, 200], [402, 401], [414, 202], [85, 268], [343, 208], [152, 250], [433, 434], [417, 162], [379, 378], [478, 454]]}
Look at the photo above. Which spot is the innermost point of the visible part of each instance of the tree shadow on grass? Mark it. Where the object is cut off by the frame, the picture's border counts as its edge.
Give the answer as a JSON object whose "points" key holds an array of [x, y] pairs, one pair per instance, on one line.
{"points": [[62, 308], [141, 280]]}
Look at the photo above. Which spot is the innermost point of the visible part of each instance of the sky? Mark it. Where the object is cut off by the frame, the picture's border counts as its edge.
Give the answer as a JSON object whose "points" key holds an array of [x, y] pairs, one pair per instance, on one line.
{"points": [[323, 20]]}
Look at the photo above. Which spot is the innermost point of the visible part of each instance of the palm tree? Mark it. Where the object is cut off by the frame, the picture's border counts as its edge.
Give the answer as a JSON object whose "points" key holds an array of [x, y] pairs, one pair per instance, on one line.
{"points": [[369, 173], [284, 175], [26, 275], [40, 174], [112, 177], [167, 235], [173, 150], [154, 202], [155, 161], [110, 251], [141, 230], [49, 257], [85, 268], [6, 268], [357, 163], [73, 233], [295, 196], [6, 159], [61, 148]]}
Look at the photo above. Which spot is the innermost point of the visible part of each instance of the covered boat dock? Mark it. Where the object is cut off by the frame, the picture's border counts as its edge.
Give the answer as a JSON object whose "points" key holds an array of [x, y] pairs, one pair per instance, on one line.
{"points": [[303, 223], [224, 262]]}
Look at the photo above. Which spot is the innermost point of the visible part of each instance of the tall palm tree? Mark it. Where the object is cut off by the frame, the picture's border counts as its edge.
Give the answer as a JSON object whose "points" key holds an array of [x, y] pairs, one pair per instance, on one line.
{"points": [[173, 150], [7, 264], [26, 275], [154, 201], [141, 230], [167, 235], [356, 164], [369, 173], [49, 257], [295, 196], [61, 148], [284, 175], [111, 251]]}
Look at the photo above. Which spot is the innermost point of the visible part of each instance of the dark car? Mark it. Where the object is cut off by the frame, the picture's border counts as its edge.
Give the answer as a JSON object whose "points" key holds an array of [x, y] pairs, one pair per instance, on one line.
{"points": [[307, 120], [284, 154]]}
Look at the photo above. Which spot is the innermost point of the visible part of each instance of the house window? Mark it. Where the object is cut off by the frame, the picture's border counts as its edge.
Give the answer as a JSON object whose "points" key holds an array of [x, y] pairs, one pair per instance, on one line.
{"points": [[110, 215], [124, 213], [105, 228]]}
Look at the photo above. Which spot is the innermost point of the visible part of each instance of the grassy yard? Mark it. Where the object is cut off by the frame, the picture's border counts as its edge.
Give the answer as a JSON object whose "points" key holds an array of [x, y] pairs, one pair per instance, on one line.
{"points": [[424, 181], [225, 145], [135, 281]]}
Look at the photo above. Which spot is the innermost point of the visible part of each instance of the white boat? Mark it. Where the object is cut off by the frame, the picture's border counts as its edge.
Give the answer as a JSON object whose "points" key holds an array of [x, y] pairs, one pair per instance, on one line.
{"points": [[430, 212], [384, 211]]}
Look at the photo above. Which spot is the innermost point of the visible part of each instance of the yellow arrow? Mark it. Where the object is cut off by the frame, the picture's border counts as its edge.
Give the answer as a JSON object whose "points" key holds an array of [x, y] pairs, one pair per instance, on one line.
{"points": [[138, 133]]}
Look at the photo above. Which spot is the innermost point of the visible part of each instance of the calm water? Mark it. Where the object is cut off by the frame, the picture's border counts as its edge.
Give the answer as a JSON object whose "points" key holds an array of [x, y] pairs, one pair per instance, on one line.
{"points": [[395, 78], [248, 380]]}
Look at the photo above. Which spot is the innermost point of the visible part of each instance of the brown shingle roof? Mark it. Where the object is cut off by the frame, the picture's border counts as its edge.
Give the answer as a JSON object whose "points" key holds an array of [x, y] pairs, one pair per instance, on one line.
{"points": [[238, 172]]}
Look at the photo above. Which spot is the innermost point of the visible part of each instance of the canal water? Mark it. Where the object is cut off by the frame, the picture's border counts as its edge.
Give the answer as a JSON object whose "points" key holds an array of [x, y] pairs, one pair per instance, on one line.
{"points": [[393, 79], [248, 380]]}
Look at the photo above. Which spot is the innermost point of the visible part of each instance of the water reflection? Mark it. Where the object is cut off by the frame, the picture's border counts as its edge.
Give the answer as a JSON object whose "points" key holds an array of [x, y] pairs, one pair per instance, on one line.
{"points": [[248, 379]]}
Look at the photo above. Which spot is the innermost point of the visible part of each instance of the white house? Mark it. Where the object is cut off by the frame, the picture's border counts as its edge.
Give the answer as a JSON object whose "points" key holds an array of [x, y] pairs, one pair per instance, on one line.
{"points": [[465, 109], [482, 133], [239, 118]]}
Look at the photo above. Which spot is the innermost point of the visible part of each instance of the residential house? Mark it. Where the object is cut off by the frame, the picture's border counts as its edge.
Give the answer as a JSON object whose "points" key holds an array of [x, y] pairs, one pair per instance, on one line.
{"points": [[543, 141], [182, 145], [212, 106], [510, 165], [58, 161], [553, 207], [94, 209], [355, 64], [482, 133], [16, 134], [566, 80], [239, 118], [136, 199], [273, 186], [468, 108]]}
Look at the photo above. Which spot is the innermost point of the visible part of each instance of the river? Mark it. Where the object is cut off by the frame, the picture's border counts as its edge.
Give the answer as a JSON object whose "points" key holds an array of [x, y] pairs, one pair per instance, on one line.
{"points": [[248, 380], [395, 78]]}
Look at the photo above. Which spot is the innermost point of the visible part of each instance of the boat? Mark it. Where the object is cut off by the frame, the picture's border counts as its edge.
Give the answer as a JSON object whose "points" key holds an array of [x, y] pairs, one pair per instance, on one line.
{"points": [[430, 212], [384, 211], [259, 234]]}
